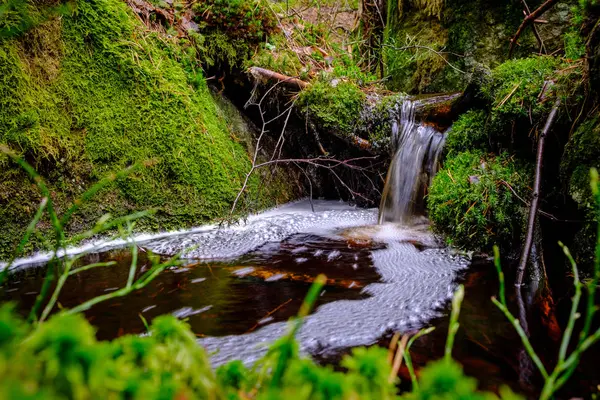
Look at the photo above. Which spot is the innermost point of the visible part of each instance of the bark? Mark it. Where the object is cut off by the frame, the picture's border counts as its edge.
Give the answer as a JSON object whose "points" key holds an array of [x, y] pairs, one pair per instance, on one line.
{"points": [[536, 195]]}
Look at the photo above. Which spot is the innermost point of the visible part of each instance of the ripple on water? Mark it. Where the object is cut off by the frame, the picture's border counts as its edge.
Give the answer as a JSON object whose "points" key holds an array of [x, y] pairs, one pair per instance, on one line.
{"points": [[234, 241], [415, 284]]}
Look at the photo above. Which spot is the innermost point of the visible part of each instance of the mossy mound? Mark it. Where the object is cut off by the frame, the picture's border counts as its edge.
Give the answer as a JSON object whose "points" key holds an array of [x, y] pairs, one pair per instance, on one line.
{"points": [[522, 88], [467, 133], [95, 91], [471, 200], [336, 106]]}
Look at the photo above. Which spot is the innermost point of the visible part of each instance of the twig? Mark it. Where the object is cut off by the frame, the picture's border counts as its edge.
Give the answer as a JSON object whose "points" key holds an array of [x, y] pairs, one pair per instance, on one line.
{"points": [[269, 314], [266, 74], [527, 11], [531, 18], [536, 194]]}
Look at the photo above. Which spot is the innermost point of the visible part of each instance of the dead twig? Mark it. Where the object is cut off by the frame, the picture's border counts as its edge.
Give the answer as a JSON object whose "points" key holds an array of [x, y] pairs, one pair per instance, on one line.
{"points": [[536, 194], [530, 19], [263, 74], [527, 12]]}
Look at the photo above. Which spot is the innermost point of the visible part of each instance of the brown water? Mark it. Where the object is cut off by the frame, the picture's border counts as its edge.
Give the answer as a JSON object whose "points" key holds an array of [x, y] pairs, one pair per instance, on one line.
{"points": [[216, 298], [380, 280]]}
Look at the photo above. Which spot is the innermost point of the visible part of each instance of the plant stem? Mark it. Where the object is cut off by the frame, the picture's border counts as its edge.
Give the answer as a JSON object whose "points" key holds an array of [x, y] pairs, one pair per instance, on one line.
{"points": [[408, 358], [454, 325], [574, 306], [500, 275], [25, 239], [528, 347]]}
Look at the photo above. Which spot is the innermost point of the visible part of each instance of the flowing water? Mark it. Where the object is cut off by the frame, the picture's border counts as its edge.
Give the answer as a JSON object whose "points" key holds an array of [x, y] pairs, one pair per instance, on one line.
{"points": [[386, 273], [415, 162]]}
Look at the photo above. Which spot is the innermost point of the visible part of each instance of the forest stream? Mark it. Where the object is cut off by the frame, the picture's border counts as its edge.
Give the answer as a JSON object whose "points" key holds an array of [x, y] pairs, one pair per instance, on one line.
{"points": [[386, 273]]}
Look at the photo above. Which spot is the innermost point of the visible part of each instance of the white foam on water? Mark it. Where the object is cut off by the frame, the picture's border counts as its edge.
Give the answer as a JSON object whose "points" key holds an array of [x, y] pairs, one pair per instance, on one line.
{"points": [[231, 242], [415, 286], [279, 223]]}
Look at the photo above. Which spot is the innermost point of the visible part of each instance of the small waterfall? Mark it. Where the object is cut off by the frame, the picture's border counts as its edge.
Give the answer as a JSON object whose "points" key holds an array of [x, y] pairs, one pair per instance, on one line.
{"points": [[415, 162]]}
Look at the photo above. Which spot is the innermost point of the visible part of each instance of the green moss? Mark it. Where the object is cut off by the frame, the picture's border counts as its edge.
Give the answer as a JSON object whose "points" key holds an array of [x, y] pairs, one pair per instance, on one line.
{"points": [[515, 87], [468, 132], [412, 68], [470, 203], [582, 153], [89, 94], [468, 33], [336, 107]]}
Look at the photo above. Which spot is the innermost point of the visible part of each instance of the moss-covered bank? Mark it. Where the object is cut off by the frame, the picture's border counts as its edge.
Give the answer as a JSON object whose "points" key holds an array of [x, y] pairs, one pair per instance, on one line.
{"points": [[431, 50], [94, 91]]}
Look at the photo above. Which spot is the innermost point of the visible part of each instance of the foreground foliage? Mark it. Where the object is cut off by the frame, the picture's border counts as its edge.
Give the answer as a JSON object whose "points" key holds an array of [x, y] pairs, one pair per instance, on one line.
{"points": [[61, 359]]}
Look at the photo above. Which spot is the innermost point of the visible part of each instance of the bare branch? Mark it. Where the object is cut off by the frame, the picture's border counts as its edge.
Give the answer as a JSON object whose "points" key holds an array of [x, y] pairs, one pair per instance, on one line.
{"points": [[530, 19]]}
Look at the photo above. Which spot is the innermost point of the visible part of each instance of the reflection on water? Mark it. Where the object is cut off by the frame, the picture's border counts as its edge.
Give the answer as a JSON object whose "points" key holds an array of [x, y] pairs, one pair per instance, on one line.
{"points": [[216, 298]]}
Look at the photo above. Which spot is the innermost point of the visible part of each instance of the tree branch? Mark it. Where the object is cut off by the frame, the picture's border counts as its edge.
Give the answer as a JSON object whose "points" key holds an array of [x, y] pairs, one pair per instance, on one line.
{"points": [[264, 74], [536, 194], [530, 19]]}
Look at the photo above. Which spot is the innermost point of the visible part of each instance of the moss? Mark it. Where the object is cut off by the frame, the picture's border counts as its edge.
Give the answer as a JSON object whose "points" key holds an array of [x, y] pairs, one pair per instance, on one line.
{"points": [[516, 86], [335, 106], [412, 69], [467, 133], [467, 34], [470, 203], [114, 94]]}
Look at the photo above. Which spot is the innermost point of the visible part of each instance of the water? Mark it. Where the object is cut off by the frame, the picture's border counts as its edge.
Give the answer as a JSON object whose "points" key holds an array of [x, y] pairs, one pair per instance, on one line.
{"points": [[413, 165], [381, 279], [386, 273]]}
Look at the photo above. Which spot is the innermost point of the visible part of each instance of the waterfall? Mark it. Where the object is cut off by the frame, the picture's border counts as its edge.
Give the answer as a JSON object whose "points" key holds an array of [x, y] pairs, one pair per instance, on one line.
{"points": [[417, 149]]}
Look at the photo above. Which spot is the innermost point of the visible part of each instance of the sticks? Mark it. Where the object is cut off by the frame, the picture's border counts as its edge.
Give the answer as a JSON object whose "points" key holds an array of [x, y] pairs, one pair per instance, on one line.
{"points": [[536, 194], [527, 12], [530, 19], [324, 161], [264, 74]]}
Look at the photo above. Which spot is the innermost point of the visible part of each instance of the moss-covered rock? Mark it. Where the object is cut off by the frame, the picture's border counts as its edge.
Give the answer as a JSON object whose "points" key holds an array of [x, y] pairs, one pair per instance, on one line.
{"points": [[428, 53], [335, 105], [467, 133], [471, 203], [93, 92]]}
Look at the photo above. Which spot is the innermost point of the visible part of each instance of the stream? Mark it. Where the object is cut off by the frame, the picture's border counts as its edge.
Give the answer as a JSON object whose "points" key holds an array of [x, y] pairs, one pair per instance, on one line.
{"points": [[381, 279], [386, 273]]}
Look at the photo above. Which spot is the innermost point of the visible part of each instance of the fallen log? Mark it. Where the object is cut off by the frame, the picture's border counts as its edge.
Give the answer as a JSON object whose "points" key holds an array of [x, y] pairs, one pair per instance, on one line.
{"points": [[263, 74]]}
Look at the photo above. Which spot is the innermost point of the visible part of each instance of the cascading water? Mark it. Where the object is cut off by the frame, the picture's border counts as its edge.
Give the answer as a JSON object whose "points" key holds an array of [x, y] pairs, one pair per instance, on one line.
{"points": [[417, 149]]}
